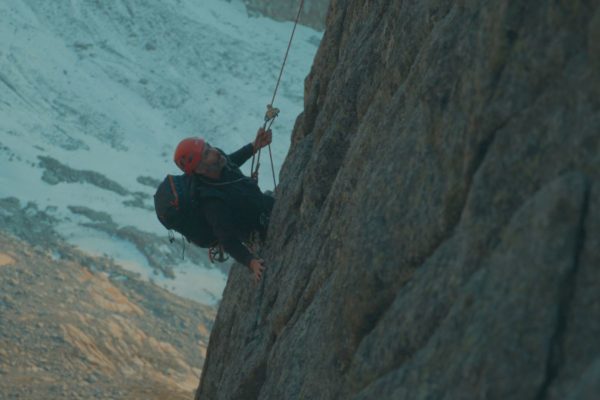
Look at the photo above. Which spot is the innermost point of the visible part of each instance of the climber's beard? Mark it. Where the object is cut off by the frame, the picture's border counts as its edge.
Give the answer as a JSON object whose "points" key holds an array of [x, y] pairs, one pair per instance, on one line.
{"points": [[221, 162], [213, 170]]}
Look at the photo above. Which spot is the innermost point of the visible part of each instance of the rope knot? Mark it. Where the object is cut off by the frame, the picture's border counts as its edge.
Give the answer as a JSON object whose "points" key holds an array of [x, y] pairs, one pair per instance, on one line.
{"points": [[271, 113]]}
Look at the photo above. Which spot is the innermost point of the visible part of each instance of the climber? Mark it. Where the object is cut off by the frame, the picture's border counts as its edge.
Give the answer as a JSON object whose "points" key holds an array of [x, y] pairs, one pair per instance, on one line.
{"points": [[229, 204]]}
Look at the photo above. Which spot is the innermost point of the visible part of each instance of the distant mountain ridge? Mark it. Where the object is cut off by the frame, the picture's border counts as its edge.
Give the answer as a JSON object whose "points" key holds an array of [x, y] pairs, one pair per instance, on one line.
{"points": [[313, 11]]}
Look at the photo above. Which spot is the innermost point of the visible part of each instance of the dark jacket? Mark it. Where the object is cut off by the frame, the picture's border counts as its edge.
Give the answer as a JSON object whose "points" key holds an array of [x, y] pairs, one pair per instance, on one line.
{"points": [[231, 207]]}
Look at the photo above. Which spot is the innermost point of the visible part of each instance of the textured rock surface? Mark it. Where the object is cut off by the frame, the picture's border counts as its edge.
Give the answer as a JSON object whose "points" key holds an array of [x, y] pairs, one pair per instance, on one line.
{"points": [[437, 227], [313, 12]]}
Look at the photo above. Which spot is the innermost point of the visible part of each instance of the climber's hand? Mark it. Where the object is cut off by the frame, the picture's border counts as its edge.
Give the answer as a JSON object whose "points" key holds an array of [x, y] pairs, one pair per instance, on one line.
{"points": [[263, 138], [257, 266]]}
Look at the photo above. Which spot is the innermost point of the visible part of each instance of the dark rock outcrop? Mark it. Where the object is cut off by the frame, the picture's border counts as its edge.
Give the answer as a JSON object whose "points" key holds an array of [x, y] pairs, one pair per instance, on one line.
{"points": [[437, 227], [313, 12]]}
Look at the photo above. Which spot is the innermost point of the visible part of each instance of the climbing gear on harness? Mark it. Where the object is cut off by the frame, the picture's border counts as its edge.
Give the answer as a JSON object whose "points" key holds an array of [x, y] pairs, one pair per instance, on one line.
{"points": [[188, 154], [272, 112], [216, 253]]}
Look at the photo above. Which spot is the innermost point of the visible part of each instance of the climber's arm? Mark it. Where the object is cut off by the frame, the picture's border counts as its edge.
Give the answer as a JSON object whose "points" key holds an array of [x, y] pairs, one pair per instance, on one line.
{"points": [[263, 138], [219, 216], [242, 155]]}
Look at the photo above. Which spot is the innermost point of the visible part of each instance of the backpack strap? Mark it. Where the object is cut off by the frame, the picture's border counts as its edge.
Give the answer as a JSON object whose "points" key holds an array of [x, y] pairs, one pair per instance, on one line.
{"points": [[175, 201], [201, 191]]}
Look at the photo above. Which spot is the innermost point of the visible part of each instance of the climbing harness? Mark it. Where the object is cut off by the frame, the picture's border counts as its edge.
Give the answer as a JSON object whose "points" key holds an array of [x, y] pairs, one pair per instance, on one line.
{"points": [[273, 112], [216, 253]]}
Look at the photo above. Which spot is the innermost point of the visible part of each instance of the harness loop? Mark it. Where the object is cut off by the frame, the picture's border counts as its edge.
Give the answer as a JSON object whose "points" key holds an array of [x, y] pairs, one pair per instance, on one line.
{"points": [[216, 253]]}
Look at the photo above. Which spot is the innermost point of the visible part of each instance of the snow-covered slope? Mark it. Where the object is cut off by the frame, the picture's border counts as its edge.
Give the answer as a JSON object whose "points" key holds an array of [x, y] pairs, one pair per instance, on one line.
{"points": [[95, 95]]}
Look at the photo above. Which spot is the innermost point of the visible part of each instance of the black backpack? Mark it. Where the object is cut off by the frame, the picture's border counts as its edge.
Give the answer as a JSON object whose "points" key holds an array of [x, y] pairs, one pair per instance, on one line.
{"points": [[176, 210]]}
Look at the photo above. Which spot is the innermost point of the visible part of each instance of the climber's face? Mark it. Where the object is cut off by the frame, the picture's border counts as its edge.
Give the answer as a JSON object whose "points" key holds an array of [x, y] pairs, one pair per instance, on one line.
{"points": [[212, 162]]}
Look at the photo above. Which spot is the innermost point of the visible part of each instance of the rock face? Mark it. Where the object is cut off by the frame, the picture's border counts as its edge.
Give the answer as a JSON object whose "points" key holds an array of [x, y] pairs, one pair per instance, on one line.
{"points": [[437, 228], [313, 12]]}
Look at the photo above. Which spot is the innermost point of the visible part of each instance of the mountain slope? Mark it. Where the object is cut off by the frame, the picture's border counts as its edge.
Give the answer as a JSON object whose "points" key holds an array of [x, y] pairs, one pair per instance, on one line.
{"points": [[436, 228], [94, 96], [81, 327]]}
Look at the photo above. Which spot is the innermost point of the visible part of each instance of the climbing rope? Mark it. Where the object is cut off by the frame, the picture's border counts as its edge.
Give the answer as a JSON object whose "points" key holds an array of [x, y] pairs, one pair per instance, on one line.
{"points": [[216, 252], [273, 112]]}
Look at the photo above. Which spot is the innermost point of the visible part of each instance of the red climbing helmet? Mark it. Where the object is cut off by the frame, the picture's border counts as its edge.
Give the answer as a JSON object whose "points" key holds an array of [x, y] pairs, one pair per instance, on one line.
{"points": [[188, 154]]}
